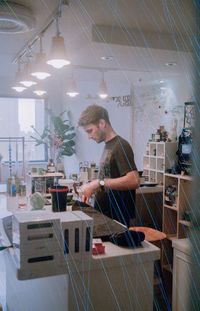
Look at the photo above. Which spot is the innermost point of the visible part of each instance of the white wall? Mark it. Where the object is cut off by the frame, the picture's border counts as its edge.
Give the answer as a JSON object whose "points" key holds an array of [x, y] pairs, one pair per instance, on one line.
{"points": [[153, 107]]}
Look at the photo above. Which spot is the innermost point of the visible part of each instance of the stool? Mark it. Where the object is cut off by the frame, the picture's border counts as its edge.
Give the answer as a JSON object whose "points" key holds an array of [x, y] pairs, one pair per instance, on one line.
{"points": [[151, 235]]}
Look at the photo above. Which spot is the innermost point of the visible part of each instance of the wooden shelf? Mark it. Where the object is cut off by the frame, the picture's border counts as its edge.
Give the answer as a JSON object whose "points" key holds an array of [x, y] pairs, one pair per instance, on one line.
{"points": [[174, 208], [185, 223], [178, 176], [160, 171], [171, 237]]}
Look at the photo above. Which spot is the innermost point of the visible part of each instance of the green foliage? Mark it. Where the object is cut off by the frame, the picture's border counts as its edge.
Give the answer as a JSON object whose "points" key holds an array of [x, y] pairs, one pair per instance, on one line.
{"points": [[59, 137]]}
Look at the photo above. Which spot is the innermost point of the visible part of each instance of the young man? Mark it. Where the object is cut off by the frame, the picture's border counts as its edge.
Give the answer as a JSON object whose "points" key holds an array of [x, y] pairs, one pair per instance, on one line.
{"points": [[118, 176]]}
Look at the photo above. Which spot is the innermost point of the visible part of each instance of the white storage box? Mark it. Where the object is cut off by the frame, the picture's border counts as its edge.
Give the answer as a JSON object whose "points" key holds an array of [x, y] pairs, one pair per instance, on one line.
{"points": [[87, 234], [37, 243]]}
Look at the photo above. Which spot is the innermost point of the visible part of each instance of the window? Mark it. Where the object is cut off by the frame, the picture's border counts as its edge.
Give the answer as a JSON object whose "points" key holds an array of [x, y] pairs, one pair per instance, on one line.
{"points": [[16, 118]]}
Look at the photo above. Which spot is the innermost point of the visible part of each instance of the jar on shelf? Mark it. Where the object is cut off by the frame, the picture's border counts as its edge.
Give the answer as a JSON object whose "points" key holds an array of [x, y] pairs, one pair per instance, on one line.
{"points": [[51, 166]]}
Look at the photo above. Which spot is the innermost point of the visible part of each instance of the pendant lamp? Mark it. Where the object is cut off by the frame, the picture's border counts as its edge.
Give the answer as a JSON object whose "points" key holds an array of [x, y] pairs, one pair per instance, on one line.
{"points": [[17, 86], [103, 91], [40, 68], [26, 78], [58, 55], [72, 88]]}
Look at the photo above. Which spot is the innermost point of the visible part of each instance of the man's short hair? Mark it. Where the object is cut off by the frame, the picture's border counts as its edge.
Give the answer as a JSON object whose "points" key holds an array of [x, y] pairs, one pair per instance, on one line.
{"points": [[92, 114]]}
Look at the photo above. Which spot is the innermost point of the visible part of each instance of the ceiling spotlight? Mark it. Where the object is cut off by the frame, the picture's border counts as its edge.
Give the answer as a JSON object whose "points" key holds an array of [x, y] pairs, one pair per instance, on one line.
{"points": [[103, 91], [107, 57], [72, 88], [40, 68], [39, 92], [26, 79], [58, 55], [171, 64]]}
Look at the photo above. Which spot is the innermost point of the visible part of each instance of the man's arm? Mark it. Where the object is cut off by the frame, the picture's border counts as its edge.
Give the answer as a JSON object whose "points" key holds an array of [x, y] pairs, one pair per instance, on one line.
{"points": [[130, 181]]}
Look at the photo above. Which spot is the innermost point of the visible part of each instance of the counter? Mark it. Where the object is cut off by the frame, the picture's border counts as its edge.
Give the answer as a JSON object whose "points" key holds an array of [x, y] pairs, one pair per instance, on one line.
{"points": [[121, 279]]}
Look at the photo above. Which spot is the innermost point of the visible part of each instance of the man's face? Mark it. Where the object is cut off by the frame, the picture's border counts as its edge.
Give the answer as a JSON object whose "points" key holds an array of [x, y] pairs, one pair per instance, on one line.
{"points": [[95, 132]]}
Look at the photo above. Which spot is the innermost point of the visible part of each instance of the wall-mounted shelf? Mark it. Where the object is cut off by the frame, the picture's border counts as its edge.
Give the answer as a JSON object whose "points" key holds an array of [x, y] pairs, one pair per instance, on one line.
{"points": [[159, 157]]}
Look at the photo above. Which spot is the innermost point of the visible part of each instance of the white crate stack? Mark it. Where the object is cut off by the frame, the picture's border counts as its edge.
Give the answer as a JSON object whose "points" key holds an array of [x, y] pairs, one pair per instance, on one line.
{"points": [[45, 241], [37, 243], [87, 234]]}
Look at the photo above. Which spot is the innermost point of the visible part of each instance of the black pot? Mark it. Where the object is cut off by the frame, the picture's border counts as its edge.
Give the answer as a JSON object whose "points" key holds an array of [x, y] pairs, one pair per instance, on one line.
{"points": [[59, 198]]}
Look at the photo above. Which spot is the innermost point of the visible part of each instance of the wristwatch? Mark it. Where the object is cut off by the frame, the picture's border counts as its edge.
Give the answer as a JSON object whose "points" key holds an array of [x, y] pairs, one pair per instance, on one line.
{"points": [[101, 184]]}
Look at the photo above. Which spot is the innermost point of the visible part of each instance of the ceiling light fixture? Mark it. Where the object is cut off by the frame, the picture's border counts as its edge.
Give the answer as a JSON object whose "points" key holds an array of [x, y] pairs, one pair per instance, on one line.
{"points": [[171, 64], [39, 92], [26, 79], [107, 57], [40, 68], [72, 88], [103, 91], [15, 18], [58, 55], [17, 87]]}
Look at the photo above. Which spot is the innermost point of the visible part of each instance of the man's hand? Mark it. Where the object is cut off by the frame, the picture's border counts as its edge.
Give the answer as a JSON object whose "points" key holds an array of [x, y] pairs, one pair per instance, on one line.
{"points": [[88, 189]]}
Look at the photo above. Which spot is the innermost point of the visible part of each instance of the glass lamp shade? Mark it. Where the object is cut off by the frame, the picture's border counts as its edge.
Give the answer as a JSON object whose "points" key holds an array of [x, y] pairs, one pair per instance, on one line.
{"points": [[103, 92], [39, 92], [58, 55], [40, 68], [72, 88], [19, 88], [26, 79]]}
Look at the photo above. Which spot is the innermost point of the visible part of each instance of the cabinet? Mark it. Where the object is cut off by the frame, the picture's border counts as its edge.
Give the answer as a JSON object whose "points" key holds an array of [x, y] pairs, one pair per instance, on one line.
{"points": [[159, 157], [181, 275], [177, 197]]}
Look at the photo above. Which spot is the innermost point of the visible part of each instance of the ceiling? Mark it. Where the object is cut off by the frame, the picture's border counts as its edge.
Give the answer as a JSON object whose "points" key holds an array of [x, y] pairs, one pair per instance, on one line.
{"points": [[140, 35]]}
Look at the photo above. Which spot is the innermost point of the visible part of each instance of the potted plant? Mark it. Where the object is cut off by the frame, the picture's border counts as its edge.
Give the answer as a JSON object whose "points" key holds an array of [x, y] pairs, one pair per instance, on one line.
{"points": [[59, 136]]}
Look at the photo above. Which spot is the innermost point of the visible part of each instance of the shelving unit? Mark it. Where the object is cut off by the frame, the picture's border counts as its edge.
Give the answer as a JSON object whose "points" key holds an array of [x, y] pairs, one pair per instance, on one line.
{"points": [[159, 157], [176, 214]]}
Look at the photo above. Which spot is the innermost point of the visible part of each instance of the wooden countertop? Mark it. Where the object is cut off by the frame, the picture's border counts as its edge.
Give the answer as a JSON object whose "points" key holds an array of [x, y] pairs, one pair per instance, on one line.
{"points": [[146, 189]]}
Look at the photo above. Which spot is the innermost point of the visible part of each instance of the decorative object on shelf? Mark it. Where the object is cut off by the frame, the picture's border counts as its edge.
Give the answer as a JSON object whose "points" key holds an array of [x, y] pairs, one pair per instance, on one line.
{"points": [[170, 195], [160, 135], [59, 137], [51, 166]]}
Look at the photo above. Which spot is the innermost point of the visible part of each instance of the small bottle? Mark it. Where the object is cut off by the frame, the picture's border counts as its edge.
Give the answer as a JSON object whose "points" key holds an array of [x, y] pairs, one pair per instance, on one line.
{"points": [[13, 187], [51, 166]]}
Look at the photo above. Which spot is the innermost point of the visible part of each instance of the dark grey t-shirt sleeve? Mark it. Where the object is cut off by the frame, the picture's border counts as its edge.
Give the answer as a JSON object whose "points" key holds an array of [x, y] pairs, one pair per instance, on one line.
{"points": [[124, 158]]}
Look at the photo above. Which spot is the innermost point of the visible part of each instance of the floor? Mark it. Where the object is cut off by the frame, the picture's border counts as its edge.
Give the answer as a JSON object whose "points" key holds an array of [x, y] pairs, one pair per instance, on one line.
{"points": [[162, 298]]}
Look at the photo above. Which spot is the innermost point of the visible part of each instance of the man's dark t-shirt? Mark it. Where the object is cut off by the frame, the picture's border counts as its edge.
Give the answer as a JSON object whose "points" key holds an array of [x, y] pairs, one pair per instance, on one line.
{"points": [[116, 161]]}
